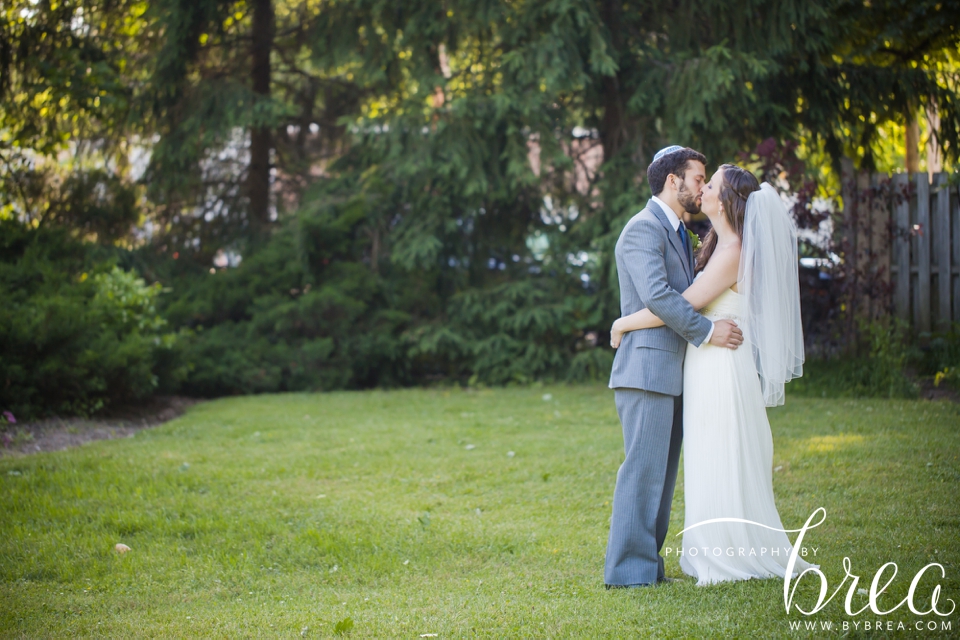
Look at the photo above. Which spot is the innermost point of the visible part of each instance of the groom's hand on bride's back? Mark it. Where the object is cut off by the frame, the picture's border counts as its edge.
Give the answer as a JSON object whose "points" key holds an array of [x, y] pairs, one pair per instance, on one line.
{"points": [[727, 334]]}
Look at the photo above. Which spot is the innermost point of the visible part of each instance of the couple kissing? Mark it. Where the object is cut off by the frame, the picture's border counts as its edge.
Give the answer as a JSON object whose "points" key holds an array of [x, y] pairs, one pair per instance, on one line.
{"points": [[704, 344]]}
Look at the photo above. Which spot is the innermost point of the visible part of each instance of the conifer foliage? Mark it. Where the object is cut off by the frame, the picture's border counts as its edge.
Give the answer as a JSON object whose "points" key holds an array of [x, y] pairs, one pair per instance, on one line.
{"points": [[422, 190]]}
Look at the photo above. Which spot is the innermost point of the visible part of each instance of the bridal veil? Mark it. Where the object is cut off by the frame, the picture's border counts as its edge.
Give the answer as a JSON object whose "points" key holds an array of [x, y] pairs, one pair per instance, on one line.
{"points": [[769, 282]]}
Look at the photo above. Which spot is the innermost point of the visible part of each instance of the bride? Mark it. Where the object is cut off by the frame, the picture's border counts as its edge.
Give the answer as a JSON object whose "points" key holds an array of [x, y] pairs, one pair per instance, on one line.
{"points": [[747, 272]]}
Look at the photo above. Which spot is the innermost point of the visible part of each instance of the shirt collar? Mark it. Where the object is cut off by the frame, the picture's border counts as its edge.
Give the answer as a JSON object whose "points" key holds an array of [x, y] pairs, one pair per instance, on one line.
{"points": [[669, 212]]}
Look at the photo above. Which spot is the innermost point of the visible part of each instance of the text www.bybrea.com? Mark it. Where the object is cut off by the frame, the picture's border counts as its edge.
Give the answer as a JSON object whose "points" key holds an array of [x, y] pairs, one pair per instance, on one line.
{"points": [[875, 625]]}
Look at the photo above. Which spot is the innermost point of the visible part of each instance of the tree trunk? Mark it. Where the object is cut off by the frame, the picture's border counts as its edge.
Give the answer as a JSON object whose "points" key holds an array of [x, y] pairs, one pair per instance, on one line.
{"points": [[913, 143], [613, 133], [934, 152], [258, 177]]}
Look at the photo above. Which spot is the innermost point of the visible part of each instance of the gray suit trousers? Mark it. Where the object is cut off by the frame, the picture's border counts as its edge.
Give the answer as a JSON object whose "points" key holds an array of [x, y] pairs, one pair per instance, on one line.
{"points": [[652, 434]]}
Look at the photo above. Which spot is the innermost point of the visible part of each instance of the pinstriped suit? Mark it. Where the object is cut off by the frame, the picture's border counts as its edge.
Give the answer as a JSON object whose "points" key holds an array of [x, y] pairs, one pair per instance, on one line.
{"points": [[654, 268]]}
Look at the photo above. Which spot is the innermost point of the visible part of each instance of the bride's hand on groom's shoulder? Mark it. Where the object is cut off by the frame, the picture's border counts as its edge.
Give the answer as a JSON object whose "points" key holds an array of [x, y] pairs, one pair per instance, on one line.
{"points": [[616, 334]]}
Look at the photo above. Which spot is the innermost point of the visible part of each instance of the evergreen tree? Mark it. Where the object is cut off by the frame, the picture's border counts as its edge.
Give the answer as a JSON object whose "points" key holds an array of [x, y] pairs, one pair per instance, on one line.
{"points": [[449, 177], [482, 156]]}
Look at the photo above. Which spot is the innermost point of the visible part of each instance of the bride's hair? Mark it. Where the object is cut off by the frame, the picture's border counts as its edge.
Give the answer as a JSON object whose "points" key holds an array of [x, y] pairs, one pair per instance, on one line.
{"points": [[735, 187]]}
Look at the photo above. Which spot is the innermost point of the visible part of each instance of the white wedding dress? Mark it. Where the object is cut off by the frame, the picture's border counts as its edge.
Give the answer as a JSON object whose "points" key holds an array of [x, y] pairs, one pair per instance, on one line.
{"points": [[728, 459]]}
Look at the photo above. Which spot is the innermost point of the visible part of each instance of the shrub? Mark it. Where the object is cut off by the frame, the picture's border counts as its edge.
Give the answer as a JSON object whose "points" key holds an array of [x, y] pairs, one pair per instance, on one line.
{"points": [[940, 358], [875, 369], [306, 312], [75, 336]]}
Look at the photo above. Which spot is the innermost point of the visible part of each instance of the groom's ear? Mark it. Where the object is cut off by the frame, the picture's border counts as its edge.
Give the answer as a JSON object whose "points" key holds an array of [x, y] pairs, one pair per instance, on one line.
{"points": [[671, 181]]}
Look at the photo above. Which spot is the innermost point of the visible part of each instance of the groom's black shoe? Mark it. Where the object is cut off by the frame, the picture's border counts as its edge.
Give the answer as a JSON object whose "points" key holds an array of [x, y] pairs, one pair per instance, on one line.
{"points": [[666, 580]]}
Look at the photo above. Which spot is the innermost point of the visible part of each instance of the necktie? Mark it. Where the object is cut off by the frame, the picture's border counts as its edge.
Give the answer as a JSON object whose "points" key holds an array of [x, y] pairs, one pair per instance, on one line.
{"points": [[682, 232]]}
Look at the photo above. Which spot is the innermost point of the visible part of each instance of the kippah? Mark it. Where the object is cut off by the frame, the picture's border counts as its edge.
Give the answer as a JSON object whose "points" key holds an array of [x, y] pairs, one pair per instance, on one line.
{"points": [[667, 150]]}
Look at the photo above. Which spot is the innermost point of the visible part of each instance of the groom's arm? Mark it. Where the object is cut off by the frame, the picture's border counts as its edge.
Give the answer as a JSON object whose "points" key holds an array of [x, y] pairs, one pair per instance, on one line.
{"points": [[644, 248]]}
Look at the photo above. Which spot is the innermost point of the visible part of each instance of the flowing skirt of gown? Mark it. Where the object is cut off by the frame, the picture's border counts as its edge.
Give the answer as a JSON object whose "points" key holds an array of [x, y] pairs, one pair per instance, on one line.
{"points": [[728, 459]]}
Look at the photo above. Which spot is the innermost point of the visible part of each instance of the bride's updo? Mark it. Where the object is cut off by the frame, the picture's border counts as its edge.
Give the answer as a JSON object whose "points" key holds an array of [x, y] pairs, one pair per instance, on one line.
{"points": [[735, 188]]}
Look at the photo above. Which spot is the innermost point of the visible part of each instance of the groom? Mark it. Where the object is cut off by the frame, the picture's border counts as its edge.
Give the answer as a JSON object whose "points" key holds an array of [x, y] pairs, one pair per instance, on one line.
{"points": [[655, 265]]}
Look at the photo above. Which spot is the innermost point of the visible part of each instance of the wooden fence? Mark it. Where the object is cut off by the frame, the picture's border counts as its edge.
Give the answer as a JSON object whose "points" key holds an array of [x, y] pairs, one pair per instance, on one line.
{"points": [[904, 233]]}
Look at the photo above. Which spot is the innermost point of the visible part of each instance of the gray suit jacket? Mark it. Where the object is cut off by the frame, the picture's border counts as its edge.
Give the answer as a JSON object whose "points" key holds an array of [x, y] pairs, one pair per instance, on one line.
{"points": [[654, 271]]}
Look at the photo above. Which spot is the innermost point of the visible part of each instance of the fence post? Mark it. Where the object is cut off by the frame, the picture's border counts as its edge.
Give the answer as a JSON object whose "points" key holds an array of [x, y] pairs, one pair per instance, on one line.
{"points": [[942, 245], [922, 312], [955, 225], [848, 191], [880, 247], [901, 239]]}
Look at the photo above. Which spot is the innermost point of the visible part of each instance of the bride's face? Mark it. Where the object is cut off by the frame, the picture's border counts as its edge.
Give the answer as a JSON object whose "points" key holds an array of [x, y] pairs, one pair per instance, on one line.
{"points": [[710, 200]]}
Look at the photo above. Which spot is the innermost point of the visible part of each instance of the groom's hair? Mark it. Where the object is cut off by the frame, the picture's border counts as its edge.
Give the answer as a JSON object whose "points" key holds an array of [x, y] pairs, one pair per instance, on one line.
{"points": [[675, 163]]}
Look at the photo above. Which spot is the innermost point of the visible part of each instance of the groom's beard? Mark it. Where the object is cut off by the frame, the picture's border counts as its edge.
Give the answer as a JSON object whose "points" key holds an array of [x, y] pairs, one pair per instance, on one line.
{"points": [[688, 200]]}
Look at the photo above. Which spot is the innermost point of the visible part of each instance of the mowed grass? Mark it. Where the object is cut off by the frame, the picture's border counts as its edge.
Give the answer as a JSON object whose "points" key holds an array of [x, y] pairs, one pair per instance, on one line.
{"points": [[406, 512]]}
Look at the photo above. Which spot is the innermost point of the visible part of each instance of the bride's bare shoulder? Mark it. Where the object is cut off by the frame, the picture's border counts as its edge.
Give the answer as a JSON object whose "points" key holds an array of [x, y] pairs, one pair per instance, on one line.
{"points": [[725, 254], [724, 264]]}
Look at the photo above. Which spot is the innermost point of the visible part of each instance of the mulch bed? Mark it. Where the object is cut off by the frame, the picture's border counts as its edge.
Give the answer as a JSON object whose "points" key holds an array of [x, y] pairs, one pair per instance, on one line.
{"points": [[943, 392], [54, 434]]}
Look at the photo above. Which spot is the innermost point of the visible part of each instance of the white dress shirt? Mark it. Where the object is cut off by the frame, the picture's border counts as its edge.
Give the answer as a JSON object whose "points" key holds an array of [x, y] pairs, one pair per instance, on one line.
{"points": [[670, 213], [674, 220]]}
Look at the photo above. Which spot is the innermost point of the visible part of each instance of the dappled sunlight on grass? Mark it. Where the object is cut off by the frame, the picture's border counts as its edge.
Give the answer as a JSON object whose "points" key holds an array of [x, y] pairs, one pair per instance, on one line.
{"points": [[825, 444]]}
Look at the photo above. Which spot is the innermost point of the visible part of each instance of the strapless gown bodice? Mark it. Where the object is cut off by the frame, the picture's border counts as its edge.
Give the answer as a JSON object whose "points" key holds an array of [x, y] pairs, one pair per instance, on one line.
{"points": [[727, 306]]}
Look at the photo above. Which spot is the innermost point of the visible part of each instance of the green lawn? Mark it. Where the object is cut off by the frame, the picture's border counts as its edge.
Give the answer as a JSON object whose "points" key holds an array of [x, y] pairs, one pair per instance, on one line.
{"points": [[406, 512]]}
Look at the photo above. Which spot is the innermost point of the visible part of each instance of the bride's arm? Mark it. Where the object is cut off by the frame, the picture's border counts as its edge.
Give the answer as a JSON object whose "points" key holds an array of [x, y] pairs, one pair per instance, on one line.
{"points": [[719, 275]]}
